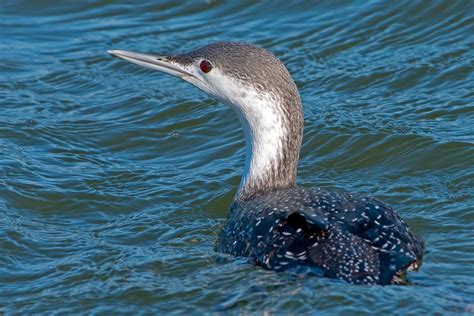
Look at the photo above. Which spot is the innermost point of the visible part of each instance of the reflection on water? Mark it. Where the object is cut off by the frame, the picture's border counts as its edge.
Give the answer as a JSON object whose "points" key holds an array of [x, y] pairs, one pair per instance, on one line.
{"points": [[115, 180]]}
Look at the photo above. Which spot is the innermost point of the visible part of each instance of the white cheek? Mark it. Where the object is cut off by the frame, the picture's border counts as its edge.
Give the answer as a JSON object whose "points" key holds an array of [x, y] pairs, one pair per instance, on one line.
{"points": [[224, 88], [199, 80]]}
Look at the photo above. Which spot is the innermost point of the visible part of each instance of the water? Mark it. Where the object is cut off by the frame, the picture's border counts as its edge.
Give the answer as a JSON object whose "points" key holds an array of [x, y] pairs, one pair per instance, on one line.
{"points": [[115, 180]]}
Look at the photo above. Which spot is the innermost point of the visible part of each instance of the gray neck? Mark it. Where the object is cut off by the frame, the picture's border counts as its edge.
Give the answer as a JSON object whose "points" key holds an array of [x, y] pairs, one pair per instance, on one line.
{"points": [[273, 134], [260, 89]]}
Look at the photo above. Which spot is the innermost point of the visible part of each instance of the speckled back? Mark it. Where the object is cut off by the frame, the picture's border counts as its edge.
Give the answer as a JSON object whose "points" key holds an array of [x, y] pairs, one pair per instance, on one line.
{"points": [[346, 236]]}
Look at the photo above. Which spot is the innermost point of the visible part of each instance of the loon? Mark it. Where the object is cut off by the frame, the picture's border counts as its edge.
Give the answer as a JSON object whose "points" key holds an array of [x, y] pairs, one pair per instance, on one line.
{"points": [[278, 225]]}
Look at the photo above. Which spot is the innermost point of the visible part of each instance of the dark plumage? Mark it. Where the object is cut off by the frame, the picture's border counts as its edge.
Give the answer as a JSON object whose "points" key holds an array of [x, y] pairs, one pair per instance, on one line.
{"points": [[346, 236]]}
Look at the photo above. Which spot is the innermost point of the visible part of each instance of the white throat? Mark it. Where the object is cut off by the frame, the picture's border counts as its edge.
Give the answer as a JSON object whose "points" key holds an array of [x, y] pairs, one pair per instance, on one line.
{"points": [[272, 146], [264, 134]]}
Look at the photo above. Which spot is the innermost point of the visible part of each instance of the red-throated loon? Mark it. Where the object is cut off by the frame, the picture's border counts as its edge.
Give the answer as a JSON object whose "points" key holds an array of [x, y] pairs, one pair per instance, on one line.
{"points": [[274, 222]]}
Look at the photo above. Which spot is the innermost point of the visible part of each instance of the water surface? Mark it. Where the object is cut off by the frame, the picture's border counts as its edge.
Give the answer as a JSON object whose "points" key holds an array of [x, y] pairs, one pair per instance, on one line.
{"points": [[115, 180]]}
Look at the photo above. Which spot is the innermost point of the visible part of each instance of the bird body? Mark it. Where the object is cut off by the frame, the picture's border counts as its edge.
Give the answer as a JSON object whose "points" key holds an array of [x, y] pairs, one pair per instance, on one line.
{"points": [[347, 236], [275, 223]]}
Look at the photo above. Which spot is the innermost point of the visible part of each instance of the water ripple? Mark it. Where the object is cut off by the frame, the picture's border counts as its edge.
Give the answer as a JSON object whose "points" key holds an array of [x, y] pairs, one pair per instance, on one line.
{"points": [[115, 180]]}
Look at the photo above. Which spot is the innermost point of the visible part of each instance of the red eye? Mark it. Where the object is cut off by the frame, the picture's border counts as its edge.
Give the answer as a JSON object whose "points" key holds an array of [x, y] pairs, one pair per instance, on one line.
{"points": [[205, 66]]}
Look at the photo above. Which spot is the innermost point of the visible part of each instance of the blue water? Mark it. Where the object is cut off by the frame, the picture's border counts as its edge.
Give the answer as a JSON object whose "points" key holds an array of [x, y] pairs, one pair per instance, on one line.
{"points": [[115, 180]]}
